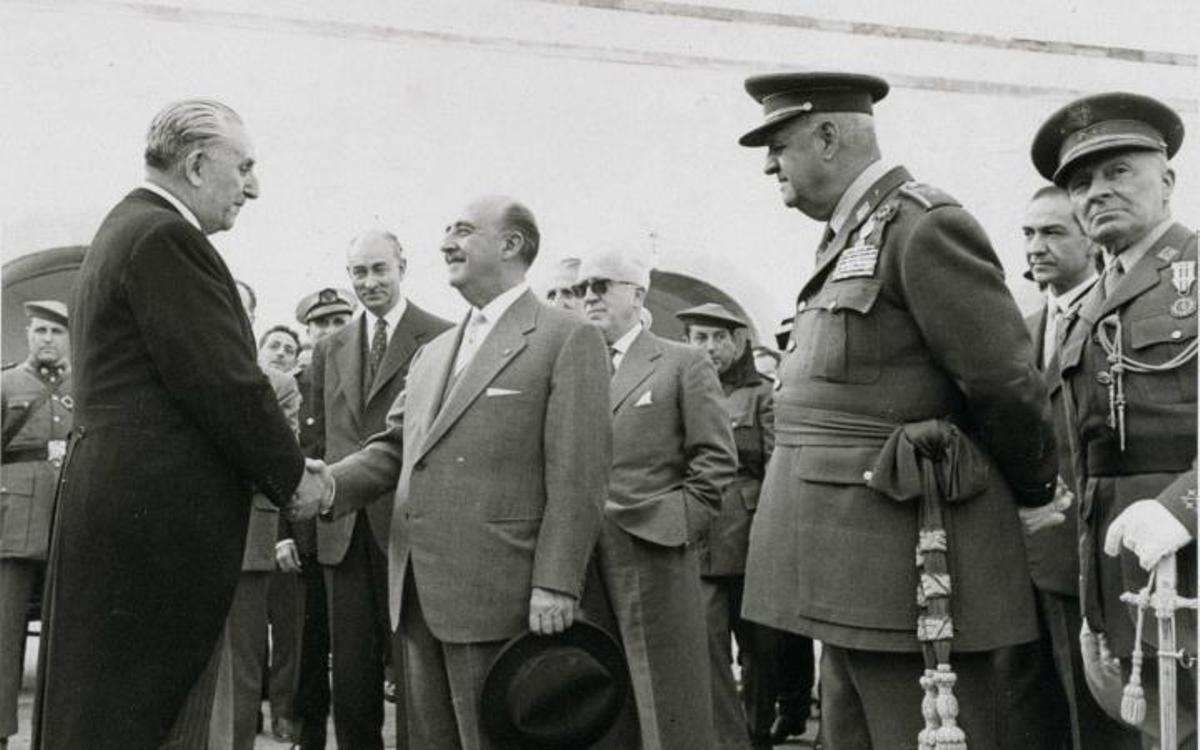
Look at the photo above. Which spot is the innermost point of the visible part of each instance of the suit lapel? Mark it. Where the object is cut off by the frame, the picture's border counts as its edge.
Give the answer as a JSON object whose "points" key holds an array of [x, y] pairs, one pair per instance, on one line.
{"points": [[865, 207], [503, 343], [1145, 274], [350, 362], [637, 365]]}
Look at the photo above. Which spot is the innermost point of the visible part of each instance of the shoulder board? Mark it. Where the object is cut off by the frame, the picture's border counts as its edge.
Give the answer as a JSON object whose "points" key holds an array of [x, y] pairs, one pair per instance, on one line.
{"points": [[9, 365], [926, 196]]}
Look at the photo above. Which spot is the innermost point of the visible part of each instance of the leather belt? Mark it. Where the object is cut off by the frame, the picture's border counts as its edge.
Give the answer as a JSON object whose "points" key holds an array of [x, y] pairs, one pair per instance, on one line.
{"points": [[23, 455]]}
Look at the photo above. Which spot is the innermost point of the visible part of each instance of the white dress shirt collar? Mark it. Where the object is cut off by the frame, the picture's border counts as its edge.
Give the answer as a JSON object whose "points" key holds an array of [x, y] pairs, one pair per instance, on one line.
{"points": [[620, 347], [392, 318], [166, 195], [1065, 301], [854, 193]]}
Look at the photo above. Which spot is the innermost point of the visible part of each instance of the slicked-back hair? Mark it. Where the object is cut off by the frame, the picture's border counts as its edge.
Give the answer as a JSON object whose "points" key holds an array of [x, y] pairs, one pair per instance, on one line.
{"points": [[517, 218], [181, 126]]}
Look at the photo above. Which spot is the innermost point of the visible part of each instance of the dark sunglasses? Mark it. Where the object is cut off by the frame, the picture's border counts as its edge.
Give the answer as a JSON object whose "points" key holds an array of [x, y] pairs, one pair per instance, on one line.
{"points": [[599, 286]]}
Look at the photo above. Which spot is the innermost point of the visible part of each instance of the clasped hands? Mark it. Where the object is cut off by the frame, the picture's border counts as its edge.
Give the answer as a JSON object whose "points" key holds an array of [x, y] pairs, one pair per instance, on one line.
{"points": [[315, 492]]}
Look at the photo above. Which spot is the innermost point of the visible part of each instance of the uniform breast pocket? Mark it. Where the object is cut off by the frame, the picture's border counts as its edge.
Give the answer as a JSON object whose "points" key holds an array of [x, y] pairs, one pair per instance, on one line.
{"points": [[1164, 340], [837, 334]]}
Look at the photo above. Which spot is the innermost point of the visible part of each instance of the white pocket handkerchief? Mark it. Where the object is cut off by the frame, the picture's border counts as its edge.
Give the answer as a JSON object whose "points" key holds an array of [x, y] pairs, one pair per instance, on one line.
{"points": [[644, 400], [502, 392]]}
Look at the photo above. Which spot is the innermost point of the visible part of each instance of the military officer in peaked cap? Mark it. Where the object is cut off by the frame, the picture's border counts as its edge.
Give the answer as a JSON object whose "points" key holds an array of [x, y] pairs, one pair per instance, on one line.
{"points": [[910, 425], [1129, 369], [36, 399]]}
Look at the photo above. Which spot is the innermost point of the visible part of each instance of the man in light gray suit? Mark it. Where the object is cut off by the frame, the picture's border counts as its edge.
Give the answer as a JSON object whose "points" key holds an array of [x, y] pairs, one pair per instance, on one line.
{"points": [[498, 453], [672, 455]]}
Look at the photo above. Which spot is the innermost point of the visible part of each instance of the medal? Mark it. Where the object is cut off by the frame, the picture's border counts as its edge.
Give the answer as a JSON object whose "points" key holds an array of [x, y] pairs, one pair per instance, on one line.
{"points": [[1183, 307], [1183, 277]]}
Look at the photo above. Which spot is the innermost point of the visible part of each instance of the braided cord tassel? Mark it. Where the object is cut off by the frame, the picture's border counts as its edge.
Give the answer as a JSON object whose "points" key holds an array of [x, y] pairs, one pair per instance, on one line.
{"points": [[950, 735], [1133, 696]]}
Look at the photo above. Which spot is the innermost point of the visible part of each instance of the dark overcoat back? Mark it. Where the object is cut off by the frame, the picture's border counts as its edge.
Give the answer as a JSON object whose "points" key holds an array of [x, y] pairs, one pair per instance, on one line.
{"points": [[174, 425]]}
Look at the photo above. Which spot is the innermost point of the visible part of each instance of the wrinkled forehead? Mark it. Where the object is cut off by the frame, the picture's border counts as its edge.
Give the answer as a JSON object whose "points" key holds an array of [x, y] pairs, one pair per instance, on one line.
{"points": [[1140, 158]]}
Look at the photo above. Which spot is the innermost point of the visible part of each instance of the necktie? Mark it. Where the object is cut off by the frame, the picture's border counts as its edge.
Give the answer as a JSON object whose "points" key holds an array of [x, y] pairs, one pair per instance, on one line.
{"points": [[378, 347], [472, 338], [613, 353], [1112, 276], [1054, 334]]}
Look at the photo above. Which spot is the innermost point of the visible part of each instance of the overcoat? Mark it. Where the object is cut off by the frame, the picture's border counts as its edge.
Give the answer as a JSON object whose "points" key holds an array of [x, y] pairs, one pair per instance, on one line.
{"points": [[174, 424], [905, 318]]}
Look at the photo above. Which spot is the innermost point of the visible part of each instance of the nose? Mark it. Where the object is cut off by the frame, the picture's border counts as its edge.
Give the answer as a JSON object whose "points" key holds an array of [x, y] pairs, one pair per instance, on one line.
{"points": [[771, 166], [590, 295], [251, 189]]}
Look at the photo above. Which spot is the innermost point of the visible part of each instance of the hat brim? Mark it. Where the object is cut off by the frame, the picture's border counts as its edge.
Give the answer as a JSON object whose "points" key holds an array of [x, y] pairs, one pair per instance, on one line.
{"points": [[759, 135], [596, 641], [322, 310]]}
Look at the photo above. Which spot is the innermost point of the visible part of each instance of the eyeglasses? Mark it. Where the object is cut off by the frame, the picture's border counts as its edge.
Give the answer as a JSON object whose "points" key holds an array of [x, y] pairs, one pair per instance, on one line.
{"points": [[565, 292], [599, 286]]}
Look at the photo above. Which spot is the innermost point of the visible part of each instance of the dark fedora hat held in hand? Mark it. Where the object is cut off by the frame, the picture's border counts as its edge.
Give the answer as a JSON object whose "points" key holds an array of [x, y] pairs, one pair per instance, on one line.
{"points": [[552, 692]]}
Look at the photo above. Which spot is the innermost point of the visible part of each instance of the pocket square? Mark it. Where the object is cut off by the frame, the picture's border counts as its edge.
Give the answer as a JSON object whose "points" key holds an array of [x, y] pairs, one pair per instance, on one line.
{"points": [[502, 392], [644, 400]]}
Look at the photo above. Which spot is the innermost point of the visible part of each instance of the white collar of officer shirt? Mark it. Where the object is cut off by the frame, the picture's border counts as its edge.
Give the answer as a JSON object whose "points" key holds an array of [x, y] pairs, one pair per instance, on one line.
{"points": [[166, 195], [1129, 257], [857, 189]]}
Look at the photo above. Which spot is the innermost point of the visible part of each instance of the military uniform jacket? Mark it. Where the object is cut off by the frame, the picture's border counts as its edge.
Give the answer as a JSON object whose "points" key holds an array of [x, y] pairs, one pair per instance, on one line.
{"points": [[29, 474], [1159, 459], [722, 546], [905, 318]]}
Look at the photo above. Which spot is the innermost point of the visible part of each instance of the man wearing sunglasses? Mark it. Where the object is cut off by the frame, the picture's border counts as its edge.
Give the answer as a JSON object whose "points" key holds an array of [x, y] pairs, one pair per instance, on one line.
{"points": [[560, 289], [672, 455]]}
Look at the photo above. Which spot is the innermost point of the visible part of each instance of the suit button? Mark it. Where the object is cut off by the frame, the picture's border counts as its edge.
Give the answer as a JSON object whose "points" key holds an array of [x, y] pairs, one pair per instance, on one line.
{"points": [[1176, 334], [419, 465], [867, 476]]}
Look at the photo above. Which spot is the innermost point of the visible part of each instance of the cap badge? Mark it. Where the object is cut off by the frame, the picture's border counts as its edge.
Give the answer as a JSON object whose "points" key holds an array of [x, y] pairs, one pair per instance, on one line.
{"points": [[327, 296]]}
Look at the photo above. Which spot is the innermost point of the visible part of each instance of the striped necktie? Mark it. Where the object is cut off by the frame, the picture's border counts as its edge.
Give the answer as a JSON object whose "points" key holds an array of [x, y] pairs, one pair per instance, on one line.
{"points": [[379, 343]]}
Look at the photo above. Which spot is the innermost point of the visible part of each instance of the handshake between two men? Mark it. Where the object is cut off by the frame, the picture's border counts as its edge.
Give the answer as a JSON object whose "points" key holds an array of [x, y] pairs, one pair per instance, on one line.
{"points": [[549, 611], [314, 495]]}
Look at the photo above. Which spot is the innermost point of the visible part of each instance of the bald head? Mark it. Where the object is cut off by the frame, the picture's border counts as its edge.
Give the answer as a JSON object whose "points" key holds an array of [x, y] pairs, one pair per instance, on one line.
{"points": [[375, 263], [489, 247]]}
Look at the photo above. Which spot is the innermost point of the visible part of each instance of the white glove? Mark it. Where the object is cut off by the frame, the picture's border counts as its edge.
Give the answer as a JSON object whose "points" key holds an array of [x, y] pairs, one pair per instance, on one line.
{"points": [[1148, 530]]}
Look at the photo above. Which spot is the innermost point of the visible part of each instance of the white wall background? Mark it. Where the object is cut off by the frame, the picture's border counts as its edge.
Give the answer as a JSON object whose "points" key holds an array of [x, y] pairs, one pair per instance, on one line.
{"points": [[611, 124]]}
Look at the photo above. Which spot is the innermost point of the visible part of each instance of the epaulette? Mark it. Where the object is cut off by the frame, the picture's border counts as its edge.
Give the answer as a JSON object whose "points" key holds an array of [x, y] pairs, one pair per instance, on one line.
{"points": [[9, 365], [926, 196]]}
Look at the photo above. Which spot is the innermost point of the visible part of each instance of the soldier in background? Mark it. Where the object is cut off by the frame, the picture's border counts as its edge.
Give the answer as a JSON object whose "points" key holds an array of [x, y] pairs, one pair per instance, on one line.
{"points": [[36, 397], [1129, 375], [322, 313]]}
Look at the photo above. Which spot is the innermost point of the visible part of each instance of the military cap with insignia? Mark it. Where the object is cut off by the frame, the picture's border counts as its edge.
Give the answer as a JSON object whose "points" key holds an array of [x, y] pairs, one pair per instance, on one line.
{"points": [[324, 302], [711, 314], [1114, 121], [785, 96], [47, 309]]}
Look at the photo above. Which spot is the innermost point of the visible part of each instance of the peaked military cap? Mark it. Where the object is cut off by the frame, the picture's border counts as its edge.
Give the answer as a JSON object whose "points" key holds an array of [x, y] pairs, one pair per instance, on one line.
{"points": [[788, 95], [47, 309], [1114, 121], [324, 302], [711, 314]]}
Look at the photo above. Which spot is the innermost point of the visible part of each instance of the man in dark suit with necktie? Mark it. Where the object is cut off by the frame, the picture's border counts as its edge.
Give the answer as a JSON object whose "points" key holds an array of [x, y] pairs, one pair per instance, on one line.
{"points": [[1062, 261], [175, 424], [356, 375]]}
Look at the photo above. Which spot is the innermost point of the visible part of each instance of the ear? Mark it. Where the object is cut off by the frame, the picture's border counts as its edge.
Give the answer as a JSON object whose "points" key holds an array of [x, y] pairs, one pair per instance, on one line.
{"points": [[1168, 178], [402, 267], [829, 138], [513, 242], [192, 166]]}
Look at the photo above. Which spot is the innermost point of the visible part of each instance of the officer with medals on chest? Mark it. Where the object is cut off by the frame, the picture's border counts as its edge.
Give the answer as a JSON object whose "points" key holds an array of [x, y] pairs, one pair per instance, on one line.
{"points": [[36, 398], [911, 424], [1129, 371]]}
